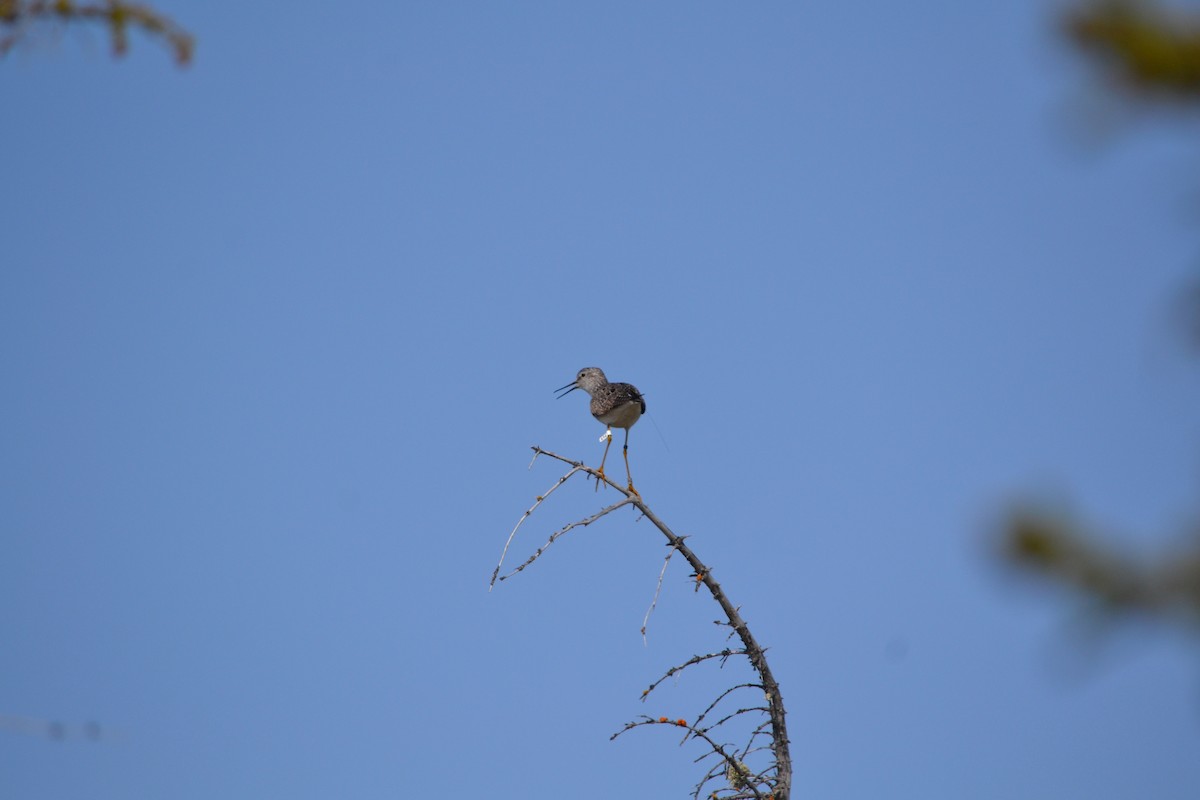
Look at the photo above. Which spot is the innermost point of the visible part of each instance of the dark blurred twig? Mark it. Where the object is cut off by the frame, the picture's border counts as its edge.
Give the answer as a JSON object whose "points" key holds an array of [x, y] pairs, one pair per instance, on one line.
{"points": [[54, 729]]}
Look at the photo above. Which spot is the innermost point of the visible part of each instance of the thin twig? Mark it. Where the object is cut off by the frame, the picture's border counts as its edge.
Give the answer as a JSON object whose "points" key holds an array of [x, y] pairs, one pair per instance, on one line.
{"points": [[657, 592], [722, 654], [528, 512], [721, 697], [716, 749], [581, 523], [749, 778], [738, 713]]}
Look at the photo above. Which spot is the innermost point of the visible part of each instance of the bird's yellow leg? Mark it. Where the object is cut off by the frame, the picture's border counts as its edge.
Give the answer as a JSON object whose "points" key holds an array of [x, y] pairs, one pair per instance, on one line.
{"points": [[607, 443], [628, 474]]}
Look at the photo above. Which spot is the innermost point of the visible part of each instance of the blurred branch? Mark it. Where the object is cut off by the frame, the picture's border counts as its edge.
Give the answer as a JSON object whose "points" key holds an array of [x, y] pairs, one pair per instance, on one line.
{"points": [[775, 780], [1147, 49], [54, 729], [17, 16], [1149, 53], [1189, 314], [1154, 54], [1062, 550]]}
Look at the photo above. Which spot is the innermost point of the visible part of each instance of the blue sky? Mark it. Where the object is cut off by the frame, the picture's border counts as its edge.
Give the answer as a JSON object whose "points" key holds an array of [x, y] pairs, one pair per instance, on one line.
{"points": [[278, 330]]}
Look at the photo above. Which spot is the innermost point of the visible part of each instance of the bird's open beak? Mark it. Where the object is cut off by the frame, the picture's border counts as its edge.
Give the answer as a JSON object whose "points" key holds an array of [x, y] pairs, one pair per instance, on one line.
{"points": [[570, 387]]}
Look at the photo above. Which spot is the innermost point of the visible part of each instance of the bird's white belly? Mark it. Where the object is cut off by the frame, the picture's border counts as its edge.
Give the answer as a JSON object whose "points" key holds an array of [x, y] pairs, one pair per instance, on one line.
{"points": [[622, 416]]}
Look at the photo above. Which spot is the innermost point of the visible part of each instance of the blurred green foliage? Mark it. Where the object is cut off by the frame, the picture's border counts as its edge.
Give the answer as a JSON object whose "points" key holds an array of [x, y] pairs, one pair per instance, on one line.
{"points": [[1150, 53], [1063, 549], [1144, 46]]}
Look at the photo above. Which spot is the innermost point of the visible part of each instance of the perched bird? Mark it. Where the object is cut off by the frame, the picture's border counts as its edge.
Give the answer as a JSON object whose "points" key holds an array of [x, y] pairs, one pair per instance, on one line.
{"points": [[617, 405]]}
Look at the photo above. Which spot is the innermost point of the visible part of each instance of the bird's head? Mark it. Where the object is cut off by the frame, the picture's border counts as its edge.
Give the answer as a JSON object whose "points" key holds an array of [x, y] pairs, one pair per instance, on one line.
{"points": [[588, 379]]}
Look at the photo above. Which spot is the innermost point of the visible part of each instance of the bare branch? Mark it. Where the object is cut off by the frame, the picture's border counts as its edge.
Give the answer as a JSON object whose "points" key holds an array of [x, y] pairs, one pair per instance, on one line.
{"points": [[723, 655], [754, 651], [715, 749], [528, 512], [721, 697], [582, 523], [738, 713], [778, 778]]}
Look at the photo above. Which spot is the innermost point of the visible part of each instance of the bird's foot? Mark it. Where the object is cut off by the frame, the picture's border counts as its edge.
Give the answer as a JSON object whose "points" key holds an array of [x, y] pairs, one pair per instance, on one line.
{"points": [[633, 490], [600, 478]]}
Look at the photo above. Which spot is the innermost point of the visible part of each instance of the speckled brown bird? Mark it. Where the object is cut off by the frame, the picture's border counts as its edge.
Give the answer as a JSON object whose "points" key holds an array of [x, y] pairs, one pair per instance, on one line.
{"points": [[617, 405]]}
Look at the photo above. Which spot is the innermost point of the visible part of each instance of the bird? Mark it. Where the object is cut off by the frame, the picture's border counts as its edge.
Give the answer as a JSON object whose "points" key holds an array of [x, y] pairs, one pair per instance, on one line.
{"points": [[618, 405]]}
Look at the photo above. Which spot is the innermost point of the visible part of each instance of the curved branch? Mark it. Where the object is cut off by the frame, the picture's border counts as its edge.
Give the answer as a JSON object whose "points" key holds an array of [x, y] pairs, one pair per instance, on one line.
{"points": [[753, 650]]}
